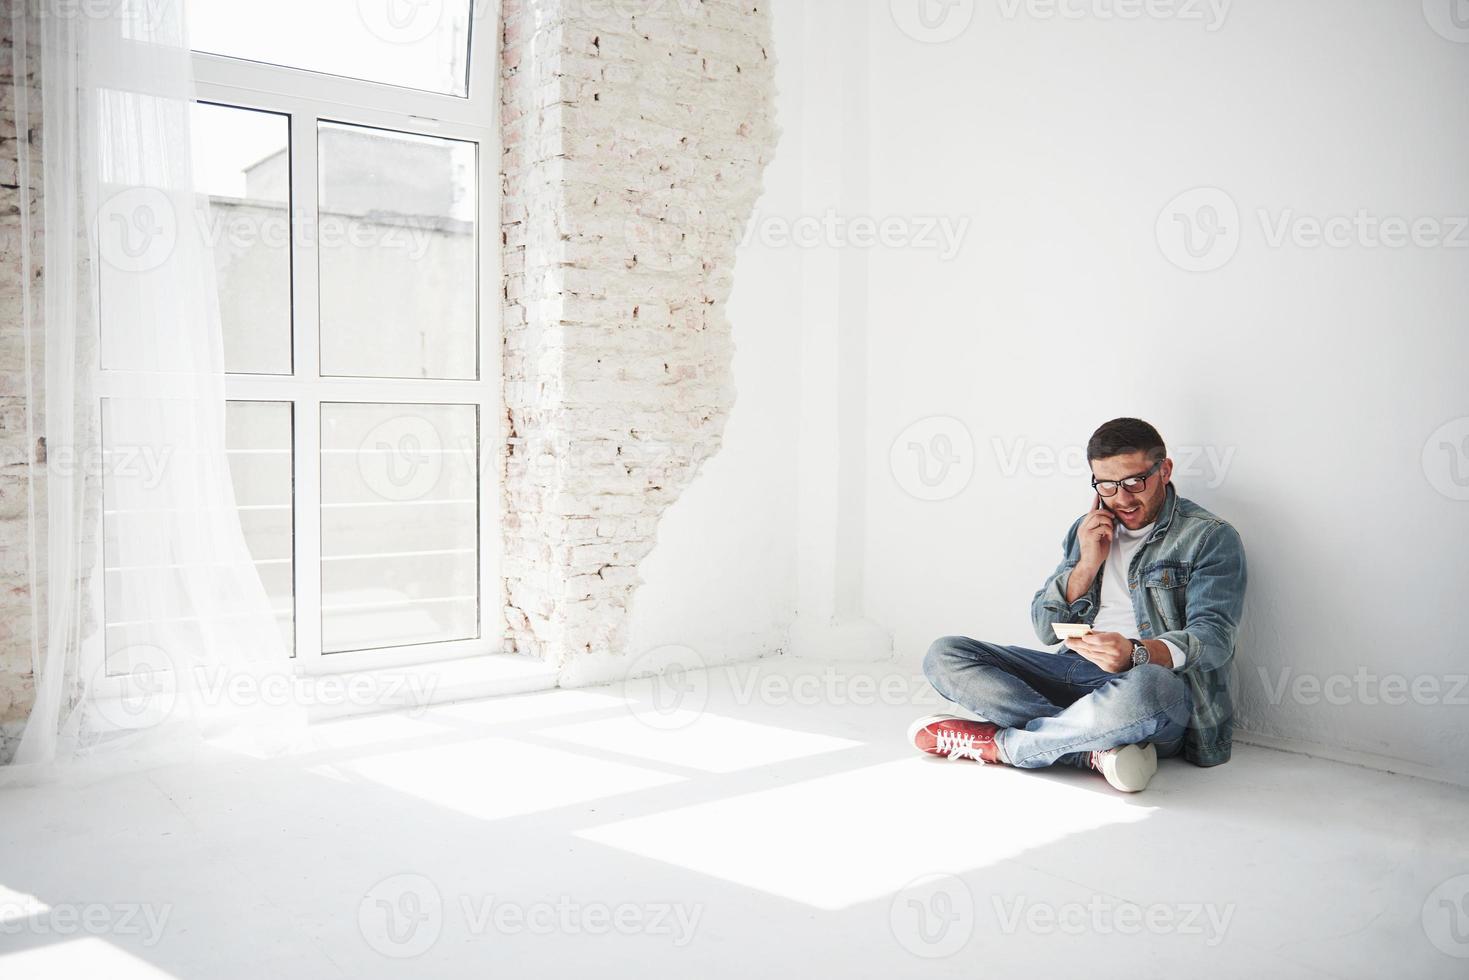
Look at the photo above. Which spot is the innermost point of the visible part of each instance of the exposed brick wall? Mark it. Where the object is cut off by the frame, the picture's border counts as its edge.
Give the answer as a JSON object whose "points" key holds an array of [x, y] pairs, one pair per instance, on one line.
{"points": [[636, 136], [18, 451]]}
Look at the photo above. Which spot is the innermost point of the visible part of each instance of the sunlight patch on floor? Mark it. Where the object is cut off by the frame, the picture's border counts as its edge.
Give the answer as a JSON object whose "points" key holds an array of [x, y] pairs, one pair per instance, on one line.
{"points": [[16, 907], [804, 841], [710, 743], [493, 778], [350, 733], [88, 957]]}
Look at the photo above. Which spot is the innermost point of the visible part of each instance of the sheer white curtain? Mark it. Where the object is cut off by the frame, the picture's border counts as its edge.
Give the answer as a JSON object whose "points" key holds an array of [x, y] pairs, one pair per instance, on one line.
{"points": [[159, 634]]}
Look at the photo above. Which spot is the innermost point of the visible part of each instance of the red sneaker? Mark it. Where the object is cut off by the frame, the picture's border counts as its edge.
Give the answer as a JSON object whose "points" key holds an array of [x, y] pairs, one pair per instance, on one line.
{"points": [[955, 737]]}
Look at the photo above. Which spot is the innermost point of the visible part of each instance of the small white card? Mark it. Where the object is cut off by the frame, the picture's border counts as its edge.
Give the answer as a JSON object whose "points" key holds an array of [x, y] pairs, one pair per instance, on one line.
{"points": [[1070, 631]]}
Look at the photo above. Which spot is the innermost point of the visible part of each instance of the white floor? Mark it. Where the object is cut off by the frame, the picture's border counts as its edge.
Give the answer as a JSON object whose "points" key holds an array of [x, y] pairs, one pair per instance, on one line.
{"points": [[763, 820]]}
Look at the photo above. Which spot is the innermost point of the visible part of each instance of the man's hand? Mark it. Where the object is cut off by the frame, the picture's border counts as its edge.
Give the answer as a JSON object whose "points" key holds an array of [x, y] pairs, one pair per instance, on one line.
{"points": [[1094, 535], [1110, 651]]}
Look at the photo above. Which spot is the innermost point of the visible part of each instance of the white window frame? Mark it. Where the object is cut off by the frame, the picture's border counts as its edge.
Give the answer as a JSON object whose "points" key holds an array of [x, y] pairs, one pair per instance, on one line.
{"points": [[306, 97]]}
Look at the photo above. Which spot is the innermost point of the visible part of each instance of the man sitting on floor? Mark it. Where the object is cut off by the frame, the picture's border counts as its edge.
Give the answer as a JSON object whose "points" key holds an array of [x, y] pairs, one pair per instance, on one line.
{"points": [[1161, 582]]}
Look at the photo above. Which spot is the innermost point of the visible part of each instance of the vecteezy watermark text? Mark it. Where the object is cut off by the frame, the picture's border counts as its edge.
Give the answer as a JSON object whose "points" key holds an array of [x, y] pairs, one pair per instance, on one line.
{"points": [[1209, 464], [404, 915], [138, 229], [1202, 229], [935, 917], [1102, 915], [941, 233], [1366, 687], [25, 915], [1209, 13], [935, 459]]}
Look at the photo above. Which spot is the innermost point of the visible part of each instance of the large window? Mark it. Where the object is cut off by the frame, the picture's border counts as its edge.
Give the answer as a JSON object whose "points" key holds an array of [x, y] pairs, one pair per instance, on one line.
{"points": [[348, 150]]}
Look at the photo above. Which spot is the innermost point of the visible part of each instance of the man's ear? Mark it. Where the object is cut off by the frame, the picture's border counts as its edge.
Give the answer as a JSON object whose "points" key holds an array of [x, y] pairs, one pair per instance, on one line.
{"points": [[1166, 470]]}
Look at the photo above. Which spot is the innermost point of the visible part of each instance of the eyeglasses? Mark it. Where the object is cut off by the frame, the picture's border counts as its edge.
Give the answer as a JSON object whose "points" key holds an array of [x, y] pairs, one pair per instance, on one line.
{"points": [[1132, 484]]}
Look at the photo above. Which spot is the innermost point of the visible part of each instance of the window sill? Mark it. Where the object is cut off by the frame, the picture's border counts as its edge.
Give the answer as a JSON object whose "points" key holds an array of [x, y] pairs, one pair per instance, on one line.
{"points": [[416, 686]]}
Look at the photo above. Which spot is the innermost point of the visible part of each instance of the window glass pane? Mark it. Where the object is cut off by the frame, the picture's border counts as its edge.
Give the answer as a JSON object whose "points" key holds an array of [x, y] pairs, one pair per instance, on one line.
{"points": [[399, 525], [397, 254], [152, 570], [242, 160], [421, 44], [258, 437]]}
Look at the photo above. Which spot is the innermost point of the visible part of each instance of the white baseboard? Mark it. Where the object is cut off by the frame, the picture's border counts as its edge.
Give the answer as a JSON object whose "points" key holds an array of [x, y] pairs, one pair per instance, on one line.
{"points": [[594, 670], [1351, 757]]}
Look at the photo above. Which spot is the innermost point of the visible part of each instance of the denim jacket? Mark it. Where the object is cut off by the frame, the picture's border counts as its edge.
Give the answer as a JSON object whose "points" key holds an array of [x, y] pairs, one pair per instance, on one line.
{"points": [[1188, 587]]}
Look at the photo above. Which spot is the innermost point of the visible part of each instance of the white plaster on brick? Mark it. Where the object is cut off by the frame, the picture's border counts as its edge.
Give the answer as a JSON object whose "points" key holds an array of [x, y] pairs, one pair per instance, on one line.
{"points": [[636, 136]]}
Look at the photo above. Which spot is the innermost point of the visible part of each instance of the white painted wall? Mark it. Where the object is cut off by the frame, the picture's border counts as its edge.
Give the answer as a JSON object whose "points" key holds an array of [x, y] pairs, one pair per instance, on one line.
{"points": [[1322, 371]]}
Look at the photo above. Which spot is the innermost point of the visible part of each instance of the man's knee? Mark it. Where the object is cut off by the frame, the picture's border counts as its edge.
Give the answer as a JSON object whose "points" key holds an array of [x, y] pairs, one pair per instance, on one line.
{"points": [[1152, 687], [938, 662]]}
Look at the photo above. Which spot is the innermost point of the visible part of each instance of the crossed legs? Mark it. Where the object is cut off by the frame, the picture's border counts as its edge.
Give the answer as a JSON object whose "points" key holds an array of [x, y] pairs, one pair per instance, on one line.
{"points": [[1058, 707]]}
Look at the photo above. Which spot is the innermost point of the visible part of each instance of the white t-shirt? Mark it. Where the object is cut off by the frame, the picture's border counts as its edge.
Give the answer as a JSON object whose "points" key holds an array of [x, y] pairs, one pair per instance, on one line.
{"points": [[1115, 614]]}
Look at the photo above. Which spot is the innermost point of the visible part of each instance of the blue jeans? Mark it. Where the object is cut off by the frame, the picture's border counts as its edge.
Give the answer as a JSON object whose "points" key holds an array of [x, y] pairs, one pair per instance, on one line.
{"points": [[1059, 707]]}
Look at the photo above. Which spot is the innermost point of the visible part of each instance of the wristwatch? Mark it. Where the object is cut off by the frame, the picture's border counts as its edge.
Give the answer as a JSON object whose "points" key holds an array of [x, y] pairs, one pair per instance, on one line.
{"points": [[1139, 653]]}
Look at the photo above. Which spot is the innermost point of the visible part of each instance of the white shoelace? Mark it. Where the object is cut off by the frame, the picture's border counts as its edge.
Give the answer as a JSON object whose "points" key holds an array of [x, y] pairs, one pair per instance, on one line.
{"points": [[957, 745]]}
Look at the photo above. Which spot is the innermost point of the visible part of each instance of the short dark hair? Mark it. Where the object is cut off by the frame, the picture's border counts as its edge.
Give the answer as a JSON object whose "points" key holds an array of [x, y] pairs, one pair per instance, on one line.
{"points": [[1120, 437]]}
